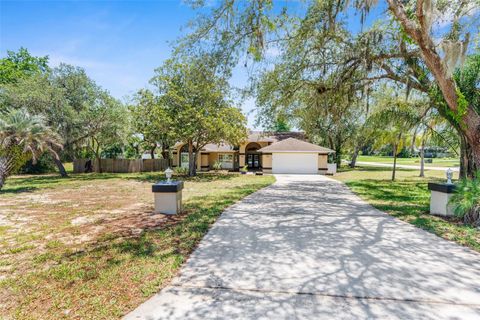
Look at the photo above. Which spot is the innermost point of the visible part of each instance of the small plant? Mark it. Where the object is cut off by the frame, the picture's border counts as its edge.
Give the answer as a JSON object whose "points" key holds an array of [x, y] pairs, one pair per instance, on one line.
{"points": [[217, 166], [180, 171], [244, 169], [466, 200]]}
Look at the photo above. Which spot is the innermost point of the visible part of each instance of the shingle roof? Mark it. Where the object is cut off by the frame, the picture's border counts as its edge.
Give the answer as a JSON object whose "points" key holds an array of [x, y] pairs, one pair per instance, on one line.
{"points": [[265, 136], [211, 147], [295, 145], [253, 136]]}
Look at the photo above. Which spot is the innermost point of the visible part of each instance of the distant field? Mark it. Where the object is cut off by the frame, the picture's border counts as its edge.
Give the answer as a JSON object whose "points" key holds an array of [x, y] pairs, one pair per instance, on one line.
{"points": [[436, 162]]}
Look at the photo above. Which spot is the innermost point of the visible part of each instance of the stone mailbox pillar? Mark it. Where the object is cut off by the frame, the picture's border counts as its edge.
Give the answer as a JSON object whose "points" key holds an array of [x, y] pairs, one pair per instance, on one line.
{"points": [[168, 197], [440, 195]]}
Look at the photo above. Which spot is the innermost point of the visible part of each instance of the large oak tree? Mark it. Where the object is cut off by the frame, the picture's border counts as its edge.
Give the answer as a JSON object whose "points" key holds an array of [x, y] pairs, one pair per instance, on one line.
{"points": [[421, 47]]}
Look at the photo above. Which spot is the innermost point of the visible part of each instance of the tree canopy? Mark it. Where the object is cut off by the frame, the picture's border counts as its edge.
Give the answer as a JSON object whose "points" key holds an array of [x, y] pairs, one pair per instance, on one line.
{"points": [[197, 99], [418, 47]]}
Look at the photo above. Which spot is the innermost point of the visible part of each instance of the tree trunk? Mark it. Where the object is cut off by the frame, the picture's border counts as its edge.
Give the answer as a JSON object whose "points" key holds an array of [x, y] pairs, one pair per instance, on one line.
{"points": [[353, 162], [192, 170], [5, 168], [152, 152], [2, 180], [394, 161], [3, 175], [422, 158], [166, 153], [61, 168], [338, 156], [472, 133], [419, 32], [467, 162]]}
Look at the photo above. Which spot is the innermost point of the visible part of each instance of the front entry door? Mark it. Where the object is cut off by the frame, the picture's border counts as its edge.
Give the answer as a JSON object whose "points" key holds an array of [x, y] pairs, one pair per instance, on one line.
{"points": [[253, 161]]}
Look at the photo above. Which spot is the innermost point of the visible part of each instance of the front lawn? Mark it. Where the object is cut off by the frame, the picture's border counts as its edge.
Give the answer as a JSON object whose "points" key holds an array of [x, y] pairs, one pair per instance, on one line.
{"points": [[436, 162], [89, 246], [408, 199]]}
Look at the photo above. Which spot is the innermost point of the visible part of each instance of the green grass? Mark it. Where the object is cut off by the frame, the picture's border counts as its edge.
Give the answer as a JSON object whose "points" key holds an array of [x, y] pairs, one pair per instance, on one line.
{"points": [[436, 162], [112, 275], [29, 183], [408, 199], [68, 166]]}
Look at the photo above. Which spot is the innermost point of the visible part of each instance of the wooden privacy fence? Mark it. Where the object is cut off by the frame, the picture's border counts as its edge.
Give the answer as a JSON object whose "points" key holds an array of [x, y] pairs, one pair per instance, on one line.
{"points": [[121, 165]]}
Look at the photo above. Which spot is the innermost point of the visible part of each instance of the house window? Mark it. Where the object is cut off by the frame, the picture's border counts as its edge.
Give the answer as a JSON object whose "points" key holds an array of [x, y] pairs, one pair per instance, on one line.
{"points": [[226, 159]]}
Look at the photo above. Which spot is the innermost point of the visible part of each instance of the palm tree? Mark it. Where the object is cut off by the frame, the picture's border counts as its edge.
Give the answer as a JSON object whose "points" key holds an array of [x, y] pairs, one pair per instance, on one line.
{"points": [[22, 137], [393, 118]]}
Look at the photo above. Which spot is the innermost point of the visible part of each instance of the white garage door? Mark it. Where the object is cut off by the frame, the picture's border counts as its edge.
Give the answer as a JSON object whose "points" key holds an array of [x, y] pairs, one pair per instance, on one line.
{"points": [[294, 163]]}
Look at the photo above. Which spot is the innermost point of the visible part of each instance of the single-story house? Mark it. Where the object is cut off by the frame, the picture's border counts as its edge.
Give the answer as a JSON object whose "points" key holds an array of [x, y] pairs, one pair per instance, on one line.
{"points": [[282, 152]]}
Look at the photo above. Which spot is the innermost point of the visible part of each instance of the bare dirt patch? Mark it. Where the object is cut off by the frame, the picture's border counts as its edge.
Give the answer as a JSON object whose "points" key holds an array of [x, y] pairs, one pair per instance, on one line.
{"points": [[89, 247], [72, 216]]}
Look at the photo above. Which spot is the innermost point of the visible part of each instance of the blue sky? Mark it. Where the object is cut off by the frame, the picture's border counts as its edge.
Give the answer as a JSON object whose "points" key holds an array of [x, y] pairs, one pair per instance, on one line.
{"points": [[119, 43]]}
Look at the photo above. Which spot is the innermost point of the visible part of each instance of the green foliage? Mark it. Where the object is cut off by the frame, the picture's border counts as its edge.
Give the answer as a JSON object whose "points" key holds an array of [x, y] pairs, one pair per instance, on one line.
{"points": [[44, 164], [467, 79], [19, 128], [281, 125], [462, 103], [244, 168], [466, 200], [18, 65], [18, 156], [197, 98], [151, 121], [217, 165], [23, 137], [180, 171], [112, 151]]}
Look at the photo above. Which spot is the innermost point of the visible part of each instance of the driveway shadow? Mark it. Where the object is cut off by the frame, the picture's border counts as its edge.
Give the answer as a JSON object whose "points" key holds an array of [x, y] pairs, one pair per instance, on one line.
{"points": [[308, 248]]}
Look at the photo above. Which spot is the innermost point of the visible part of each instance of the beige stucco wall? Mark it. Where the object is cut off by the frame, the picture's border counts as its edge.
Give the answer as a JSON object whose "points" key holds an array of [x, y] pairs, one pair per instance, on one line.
{"points": [[208, 159], [322, 161], [212, 157], [204, 162], [267, 161], [241, 160]]}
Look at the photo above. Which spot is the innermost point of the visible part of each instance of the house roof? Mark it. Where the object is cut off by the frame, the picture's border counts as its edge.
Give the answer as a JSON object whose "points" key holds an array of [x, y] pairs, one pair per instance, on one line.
{"points": [[295, 145], [262, 136], [211, 147], [253, 136]]}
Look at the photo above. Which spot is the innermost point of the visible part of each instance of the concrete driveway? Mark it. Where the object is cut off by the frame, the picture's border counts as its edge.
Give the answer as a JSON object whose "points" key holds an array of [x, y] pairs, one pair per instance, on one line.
{"points": [[307, 248]]}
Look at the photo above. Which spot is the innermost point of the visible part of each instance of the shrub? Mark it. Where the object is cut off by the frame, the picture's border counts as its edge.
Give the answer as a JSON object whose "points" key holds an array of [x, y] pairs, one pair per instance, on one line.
{"points": [[44, 164], [244, 169], [466, 200], [217, 166], [180, 170]]}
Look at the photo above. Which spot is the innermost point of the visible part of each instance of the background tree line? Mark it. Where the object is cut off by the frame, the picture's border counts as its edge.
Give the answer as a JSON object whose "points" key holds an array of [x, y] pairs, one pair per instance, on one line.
{"points": [[49, 116], [329, 80]]}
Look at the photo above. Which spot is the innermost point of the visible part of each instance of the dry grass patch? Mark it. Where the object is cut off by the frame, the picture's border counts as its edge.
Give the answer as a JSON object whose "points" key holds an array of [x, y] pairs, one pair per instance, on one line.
{"points": [[90, 247]]}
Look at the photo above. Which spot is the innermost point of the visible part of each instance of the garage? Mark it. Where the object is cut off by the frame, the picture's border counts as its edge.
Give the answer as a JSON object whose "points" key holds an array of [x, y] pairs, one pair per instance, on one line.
{"points": [[287, 162], [294, 156]]}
